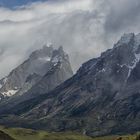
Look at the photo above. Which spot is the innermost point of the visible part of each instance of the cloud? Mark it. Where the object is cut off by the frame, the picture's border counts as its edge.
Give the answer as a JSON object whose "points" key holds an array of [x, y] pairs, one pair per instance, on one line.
{"points": [[85, 28], [123, 17], [68, 23]]}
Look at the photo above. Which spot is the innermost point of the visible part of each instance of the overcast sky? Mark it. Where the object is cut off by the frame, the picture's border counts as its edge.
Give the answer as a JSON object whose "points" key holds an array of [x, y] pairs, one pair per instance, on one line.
{"points": [[84, 28]]}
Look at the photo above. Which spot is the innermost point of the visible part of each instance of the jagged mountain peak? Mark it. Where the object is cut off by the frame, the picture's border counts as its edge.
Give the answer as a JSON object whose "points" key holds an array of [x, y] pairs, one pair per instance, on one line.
{"points": [[130, 39], [59, 51], [45, 51], [34, 68], [126, 38], [48, 53]]}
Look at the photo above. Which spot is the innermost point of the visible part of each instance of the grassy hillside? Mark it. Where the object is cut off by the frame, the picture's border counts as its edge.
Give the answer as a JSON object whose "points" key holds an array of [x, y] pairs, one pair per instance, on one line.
{"points": [[28, 134]]}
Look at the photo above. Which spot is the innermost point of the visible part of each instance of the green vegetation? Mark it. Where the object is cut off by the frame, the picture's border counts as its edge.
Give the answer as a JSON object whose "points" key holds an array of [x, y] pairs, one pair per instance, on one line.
{"points": [[28, 134]]}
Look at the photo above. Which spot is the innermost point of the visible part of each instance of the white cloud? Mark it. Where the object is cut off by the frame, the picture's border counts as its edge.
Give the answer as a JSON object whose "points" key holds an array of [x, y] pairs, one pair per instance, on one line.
{"points": [[69, 23], [83, 27]]}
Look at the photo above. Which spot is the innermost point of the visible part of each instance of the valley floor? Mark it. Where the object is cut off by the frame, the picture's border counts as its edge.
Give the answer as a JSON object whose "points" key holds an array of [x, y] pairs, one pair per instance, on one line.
{"points": [[28, 134]]}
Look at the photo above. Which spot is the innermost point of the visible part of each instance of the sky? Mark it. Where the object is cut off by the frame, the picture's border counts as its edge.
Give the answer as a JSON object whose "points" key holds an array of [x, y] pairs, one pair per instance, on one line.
{"points": [[15, 3], [84, 28]]}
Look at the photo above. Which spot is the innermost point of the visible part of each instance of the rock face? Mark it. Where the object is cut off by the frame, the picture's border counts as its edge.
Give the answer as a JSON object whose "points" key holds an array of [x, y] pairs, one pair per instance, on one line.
{"points": [[103, 97], [60, 72], [33, 70]]}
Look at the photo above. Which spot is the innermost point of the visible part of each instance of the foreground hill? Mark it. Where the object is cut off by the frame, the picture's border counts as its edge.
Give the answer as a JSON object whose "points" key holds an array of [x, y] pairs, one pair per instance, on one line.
{"points": [[28, 134]]}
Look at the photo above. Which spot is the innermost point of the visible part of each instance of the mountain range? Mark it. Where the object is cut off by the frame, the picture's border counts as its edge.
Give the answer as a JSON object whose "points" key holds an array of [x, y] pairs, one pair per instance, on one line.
{"points": [[102, 98]]}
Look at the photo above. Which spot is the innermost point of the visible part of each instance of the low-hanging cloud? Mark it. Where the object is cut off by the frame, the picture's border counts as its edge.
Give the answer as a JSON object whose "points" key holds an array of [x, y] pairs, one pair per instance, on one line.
{"points": [[83, 27], [123, 17]]}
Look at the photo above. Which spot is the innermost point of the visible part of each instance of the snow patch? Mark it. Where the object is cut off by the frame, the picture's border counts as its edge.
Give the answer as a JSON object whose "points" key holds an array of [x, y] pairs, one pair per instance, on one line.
{"points": [[131, 67], [137, 59], [45, 59], [9, 93], [56, 59]]}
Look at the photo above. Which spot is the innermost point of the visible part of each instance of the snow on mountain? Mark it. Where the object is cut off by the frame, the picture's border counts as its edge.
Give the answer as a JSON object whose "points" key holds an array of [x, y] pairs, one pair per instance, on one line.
{"points": [[9, 93]]}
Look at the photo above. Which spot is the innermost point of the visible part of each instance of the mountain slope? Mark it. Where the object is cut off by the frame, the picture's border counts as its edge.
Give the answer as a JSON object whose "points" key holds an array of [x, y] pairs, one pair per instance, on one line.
{"points": [[102, 98]]}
